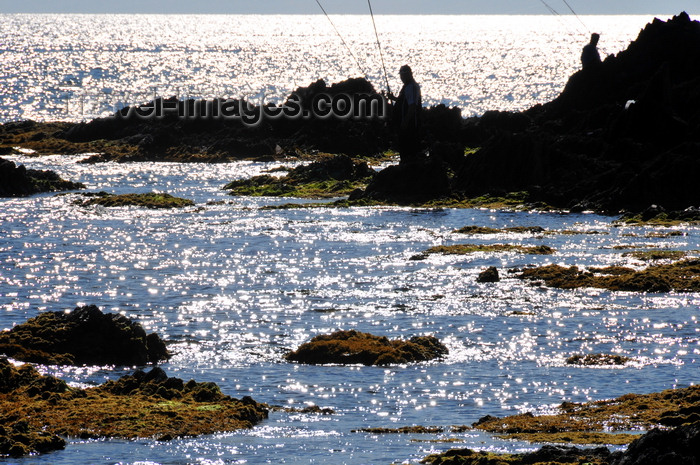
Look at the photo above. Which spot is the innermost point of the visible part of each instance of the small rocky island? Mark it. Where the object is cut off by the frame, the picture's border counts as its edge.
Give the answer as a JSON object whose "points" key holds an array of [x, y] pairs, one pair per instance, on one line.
{"points": [[84, 336], [353, 347]]}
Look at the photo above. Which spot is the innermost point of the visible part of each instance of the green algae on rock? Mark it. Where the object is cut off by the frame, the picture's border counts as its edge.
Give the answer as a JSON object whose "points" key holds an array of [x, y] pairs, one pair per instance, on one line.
{"points": [[681, 276], [651, 255], [597, 359], [597, 422], [353, 347], [147, 200], [335, 176], [464, 249], [402, 430], [142, 405], [487, 230], [18, 436], [547, 455], [85, 336]]}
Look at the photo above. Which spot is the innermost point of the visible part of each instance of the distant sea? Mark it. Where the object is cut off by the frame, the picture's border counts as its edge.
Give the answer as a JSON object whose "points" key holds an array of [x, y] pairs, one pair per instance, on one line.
{"points": [[77, 67]]}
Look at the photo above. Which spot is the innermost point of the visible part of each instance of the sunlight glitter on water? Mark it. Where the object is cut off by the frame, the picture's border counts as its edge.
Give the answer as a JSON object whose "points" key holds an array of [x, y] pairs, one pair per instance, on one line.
{"points": [[74, 67], [233, 288]]}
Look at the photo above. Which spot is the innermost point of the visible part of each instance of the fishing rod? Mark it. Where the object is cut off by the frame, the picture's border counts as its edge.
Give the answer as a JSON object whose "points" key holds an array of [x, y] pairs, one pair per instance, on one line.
{"points": [[379, 45], [357, 62], [577, 17]]}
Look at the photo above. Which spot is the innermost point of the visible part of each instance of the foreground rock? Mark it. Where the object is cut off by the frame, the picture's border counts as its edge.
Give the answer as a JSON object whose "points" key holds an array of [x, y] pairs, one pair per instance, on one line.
{"points": [[591, 423], [85, 336], [681, 276], [679, 446], [147, 200], [142, 405], [18, 181], [549, 455], [353, 347]]}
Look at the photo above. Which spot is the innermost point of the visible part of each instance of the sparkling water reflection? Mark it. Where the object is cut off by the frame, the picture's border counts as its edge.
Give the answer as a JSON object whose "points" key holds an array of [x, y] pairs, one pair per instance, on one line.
{"points": [[232, 287], [75, 67]]}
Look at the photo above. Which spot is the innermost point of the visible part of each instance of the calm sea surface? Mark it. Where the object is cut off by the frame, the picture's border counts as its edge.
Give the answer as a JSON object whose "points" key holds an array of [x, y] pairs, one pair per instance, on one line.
{"points": [[233, 287]]}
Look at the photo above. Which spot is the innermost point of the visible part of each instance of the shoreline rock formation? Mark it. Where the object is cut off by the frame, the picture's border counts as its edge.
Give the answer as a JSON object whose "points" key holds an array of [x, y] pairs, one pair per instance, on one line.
{"points": [[18, 181], [622, 136]]}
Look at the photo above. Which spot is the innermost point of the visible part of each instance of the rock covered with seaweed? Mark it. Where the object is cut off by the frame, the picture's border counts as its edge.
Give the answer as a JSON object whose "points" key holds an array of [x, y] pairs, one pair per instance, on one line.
{"points": [[354, 347], [37, 410], [85, 336]]}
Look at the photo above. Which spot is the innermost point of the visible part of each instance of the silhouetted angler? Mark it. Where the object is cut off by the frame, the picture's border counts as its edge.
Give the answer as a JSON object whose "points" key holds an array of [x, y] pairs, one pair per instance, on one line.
{"points": [[407, 115], [590, 56]]}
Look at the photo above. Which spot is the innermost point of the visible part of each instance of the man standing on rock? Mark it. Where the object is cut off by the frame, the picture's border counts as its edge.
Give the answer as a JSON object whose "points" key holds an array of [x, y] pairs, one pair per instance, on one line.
{"points": [[407, 108], [590, 56]]}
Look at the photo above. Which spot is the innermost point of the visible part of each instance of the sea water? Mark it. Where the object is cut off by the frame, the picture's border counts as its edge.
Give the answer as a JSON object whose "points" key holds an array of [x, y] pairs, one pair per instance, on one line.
{"points": [[233, 286], [75, 67]]}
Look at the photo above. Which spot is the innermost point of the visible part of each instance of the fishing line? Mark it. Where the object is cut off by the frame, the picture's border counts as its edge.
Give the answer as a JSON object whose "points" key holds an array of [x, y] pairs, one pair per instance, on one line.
{"points": [[376, 34], [577, 17], [357, 62]]}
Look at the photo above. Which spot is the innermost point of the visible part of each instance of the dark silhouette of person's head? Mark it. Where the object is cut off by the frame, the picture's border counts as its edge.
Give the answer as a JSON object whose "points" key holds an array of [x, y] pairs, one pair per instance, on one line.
{"points": [[406, 74], [595, 37]]}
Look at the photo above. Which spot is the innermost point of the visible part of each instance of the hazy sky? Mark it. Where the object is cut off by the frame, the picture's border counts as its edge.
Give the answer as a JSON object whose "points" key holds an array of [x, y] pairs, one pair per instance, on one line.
{"points": [[351, 6]]}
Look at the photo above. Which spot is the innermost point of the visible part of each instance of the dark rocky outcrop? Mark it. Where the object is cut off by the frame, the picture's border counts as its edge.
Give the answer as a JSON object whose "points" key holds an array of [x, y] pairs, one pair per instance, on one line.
{"points": [[489, 275], [18, 181], [680, 446], [591, 148], [353, 347], [85, 336]]}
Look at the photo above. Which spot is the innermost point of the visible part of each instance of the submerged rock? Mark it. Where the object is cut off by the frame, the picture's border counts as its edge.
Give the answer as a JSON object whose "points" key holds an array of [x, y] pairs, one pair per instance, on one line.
{"points": [[18, 181], [147, 200], [85, 336], [597, 359], [353, 347]]}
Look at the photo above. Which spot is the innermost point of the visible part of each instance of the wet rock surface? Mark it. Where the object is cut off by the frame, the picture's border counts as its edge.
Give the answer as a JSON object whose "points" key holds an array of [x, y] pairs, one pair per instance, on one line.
{"points": [[18, 181], [35, 410], [353, 347], [85, 336], [332, 176], [673, 407], [683, 276], [147, 200]]}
